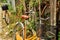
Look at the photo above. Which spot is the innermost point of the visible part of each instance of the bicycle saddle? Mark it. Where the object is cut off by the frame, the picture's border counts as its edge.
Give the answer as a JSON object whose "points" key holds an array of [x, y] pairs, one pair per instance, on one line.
{"points": [[5, 7]]}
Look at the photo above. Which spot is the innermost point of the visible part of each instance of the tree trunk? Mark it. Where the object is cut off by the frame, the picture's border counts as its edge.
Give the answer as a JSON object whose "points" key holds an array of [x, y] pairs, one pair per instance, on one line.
{"points": [[0, 20], [53, 13]]}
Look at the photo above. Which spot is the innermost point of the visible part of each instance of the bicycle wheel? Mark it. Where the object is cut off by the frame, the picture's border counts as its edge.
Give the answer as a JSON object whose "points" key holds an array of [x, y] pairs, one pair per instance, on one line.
{"points": [[18, 31], [45, 15]]}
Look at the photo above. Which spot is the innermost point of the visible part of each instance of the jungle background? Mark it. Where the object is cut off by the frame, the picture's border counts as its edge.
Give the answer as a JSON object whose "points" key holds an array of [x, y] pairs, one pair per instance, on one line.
{"points": [[42, 18]]}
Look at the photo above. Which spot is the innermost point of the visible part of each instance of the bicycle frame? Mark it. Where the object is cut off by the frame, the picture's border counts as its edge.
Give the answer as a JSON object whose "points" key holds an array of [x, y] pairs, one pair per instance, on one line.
{"points": [[5, 15], [18, 37]]}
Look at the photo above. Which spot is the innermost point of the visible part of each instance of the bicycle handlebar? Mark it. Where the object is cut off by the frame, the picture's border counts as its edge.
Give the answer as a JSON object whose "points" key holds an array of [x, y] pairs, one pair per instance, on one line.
{"points": [[45, 19]]}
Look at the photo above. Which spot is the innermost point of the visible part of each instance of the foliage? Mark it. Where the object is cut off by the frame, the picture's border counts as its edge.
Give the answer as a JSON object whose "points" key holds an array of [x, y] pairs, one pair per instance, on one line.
{"points": [[58, 35], [10, 7], [4, 1], [16, 16], [32, 25]]}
